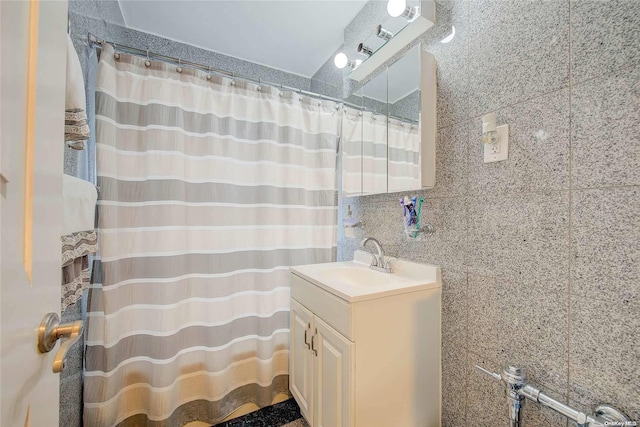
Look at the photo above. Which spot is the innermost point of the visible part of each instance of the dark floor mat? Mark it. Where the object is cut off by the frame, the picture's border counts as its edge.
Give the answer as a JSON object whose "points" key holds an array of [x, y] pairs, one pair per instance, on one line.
{"points": [[271, 416]]}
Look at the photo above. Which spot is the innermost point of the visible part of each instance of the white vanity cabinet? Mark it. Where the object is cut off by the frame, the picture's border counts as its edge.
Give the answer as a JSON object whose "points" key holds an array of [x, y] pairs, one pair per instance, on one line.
{"points": [[366, 361], [320, 369]]}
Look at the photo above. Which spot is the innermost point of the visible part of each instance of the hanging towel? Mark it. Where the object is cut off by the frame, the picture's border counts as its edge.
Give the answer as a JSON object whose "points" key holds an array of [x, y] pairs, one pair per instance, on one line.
{"points": [[79, 199], [76, 128], [76, 248]]}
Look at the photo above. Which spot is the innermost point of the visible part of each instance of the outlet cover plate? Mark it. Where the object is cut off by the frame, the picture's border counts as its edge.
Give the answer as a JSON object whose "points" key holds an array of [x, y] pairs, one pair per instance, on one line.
{"points": [[502, 152]]}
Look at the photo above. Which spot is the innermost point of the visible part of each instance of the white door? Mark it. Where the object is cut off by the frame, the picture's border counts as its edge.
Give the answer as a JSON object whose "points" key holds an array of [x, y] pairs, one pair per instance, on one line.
{"points": [[301, 358], [333, 375], [32, 84]]}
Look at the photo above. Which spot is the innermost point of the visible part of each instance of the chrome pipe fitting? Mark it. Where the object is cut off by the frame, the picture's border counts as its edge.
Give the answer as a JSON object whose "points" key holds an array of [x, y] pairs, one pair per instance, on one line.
{"points": [[517, 389], [514, 379], [383, 33], [365, 50]]}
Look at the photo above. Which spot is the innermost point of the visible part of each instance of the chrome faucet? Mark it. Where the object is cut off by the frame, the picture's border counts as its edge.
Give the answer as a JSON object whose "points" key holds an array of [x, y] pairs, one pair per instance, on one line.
{"points": [[378, 263]]}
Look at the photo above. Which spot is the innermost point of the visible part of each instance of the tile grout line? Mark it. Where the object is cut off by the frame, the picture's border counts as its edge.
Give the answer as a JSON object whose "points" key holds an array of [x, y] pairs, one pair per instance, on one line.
{"points": [[604, 75], [466, 228], [536, 96], [570, 208], [507, 193]]}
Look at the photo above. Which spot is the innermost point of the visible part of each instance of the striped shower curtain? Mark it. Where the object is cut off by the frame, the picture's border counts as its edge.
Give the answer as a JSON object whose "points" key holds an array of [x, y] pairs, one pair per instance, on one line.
{"points": [[379, 154], [209, 190], [404, 156], [374, 153], [351, 152]]}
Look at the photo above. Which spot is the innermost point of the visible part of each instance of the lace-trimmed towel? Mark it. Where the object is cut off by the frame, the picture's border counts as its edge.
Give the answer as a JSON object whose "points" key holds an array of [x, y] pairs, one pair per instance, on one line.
{"points": [[76, 127], [76, 248]]}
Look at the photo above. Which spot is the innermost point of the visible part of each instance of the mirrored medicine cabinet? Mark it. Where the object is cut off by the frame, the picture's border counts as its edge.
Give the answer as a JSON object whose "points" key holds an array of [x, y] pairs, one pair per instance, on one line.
{"points": [[389, 130]]}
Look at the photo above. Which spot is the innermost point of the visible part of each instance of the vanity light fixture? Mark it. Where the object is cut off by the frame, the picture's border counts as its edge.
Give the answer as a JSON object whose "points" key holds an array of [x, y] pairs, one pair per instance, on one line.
{"points": [[341, 60], [397, 8], [365, 50], [495, 139], [450, 36], [383, 33]]}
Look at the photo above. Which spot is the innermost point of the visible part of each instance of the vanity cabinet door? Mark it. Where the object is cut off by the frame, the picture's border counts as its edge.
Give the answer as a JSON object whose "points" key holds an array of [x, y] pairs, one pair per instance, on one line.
{"points": [[301, 358], [333, 377]]}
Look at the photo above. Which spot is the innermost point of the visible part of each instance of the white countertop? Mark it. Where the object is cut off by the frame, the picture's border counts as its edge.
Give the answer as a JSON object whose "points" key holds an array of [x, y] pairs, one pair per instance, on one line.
{"points": [[355, 281]]}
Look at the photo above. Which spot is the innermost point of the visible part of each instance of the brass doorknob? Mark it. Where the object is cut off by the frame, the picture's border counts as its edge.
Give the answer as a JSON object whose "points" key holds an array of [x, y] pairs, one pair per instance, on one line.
{"points": [[50, 331]]}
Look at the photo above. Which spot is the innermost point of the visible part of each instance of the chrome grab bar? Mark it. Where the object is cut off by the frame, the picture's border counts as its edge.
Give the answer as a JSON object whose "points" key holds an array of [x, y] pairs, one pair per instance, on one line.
{"points": [[517, 388]]}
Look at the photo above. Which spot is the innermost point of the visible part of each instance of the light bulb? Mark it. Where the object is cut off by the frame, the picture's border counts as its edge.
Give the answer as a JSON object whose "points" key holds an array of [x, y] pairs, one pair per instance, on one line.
{"points": [[450, 36], [395, 8], [340, 60]]}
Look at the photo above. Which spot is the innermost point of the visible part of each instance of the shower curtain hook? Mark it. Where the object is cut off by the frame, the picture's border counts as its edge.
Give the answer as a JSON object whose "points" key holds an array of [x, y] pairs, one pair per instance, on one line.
{"points": [[147, 63], [259, 88], [209, 73], [179, 69], [116, 54]]}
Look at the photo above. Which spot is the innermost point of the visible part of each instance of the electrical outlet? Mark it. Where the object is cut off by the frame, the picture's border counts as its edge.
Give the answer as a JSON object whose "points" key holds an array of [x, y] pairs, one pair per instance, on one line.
{"points": [[499, 151]]}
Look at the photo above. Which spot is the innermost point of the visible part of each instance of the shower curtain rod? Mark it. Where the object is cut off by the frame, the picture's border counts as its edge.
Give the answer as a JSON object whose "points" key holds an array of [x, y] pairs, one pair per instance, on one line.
{"points": [[95, 41]]}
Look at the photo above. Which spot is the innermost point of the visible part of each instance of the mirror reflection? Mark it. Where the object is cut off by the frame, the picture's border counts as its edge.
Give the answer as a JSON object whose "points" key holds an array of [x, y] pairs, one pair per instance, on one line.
{"points": [[352, 145], [382, 127], [404, 122], [374, 135]]}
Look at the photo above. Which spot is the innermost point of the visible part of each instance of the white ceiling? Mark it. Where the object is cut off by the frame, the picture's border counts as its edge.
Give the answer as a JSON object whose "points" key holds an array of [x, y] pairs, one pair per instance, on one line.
{"points": [[295, 36]]}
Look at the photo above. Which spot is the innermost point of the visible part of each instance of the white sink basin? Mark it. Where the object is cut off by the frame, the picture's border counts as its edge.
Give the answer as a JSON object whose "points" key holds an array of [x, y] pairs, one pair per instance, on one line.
{"points": [[355, 281], [352, 275]]}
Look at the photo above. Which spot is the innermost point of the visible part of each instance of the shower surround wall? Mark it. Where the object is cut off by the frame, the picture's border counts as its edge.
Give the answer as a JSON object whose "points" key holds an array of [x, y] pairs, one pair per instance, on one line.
{"points": [[540, 253]]}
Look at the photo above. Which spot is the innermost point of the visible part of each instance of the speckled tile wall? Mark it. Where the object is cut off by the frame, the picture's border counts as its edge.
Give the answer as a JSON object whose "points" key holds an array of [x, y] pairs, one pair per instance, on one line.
{"points": [[540, 252]]}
